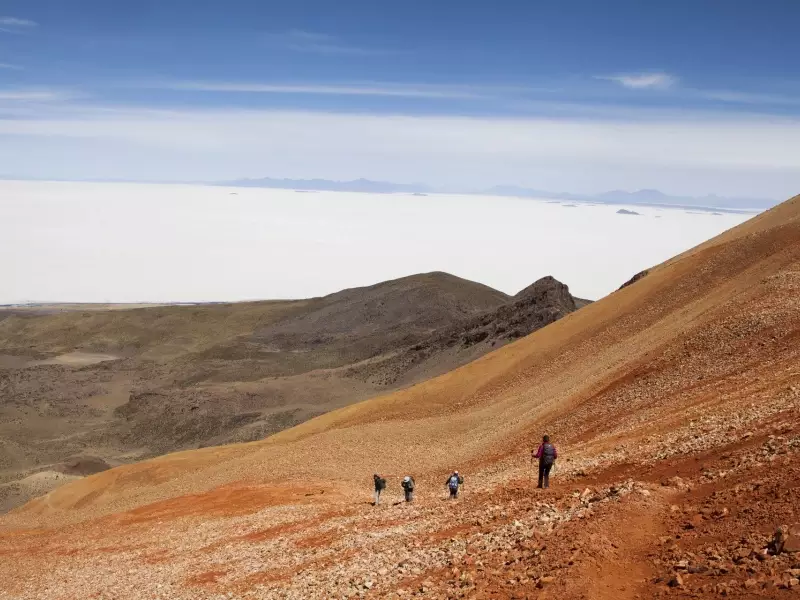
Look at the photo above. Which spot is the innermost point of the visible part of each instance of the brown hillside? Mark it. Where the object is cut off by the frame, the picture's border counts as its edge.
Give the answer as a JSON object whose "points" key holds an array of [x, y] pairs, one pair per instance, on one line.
{"points": [[674, 403], [112, 386]]}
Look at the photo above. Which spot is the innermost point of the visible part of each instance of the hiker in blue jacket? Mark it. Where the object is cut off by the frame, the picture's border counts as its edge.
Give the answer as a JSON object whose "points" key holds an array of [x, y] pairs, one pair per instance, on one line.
{"points": [[453, 482], [547, 455]]}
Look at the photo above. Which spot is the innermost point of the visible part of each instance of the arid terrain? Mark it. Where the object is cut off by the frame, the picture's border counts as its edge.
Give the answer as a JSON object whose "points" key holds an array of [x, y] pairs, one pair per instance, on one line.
{"points": [[86, 387], [675, 406]]}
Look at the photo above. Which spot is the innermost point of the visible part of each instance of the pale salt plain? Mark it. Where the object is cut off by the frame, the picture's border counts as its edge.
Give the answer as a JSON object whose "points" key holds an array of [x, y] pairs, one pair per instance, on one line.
{"points": [[121, 242]]}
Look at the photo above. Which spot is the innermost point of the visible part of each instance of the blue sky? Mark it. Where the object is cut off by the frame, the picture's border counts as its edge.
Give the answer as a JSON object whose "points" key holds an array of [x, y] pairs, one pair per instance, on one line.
{"points": [[689, 97]]}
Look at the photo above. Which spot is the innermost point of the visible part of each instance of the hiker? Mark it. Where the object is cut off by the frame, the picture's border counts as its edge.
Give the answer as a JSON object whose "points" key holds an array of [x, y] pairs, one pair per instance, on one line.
{"points": [[380, 485], [408, 487], [547, 455], [452, 483]]}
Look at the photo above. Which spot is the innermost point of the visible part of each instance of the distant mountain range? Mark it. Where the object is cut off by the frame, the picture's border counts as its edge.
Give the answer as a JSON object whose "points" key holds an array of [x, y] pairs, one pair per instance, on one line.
{"points": [[326, 185], [644, 197], [641, 197]]}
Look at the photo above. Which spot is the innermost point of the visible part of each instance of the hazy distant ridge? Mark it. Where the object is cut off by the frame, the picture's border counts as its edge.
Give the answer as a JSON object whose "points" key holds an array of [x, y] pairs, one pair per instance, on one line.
{"points": [[641, 197]]}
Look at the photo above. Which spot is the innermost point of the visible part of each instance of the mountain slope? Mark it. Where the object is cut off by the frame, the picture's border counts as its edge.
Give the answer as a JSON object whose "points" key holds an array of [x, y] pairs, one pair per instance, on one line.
{"points": [[600, 361], [113, 386], [674, 403]]}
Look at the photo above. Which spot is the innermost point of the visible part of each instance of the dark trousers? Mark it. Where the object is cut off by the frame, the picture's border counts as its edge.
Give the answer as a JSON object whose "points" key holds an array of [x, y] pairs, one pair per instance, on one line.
{"points": [[544, 475], [453, 492]]}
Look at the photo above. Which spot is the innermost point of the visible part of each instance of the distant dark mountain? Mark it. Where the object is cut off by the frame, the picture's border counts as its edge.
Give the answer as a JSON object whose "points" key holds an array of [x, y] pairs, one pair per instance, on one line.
{"points": [[645, 197], [326, 185], [538, 305], [657, 198]]}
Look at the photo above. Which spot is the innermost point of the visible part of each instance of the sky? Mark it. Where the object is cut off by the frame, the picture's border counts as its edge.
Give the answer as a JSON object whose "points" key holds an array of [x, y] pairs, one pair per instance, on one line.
{"points": [[689, 97]]}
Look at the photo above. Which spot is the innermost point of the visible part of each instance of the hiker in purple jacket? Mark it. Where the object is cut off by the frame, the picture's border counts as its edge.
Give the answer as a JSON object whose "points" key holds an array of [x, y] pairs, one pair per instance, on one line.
{"points": [[547, 455]]}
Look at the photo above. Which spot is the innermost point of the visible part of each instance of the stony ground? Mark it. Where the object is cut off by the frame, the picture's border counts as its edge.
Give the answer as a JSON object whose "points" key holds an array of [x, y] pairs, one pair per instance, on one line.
{"points": [[683, 526]]}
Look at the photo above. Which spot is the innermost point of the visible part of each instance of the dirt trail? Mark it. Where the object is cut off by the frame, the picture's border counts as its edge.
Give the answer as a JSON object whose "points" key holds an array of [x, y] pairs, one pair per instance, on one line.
{"points": [[627, 573]]}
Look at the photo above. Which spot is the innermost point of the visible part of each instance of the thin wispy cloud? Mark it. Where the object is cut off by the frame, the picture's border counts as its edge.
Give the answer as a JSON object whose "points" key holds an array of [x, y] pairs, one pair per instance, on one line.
{"points": [[35, 94], [16, 25], [371, 89], [663, 81], [737, 97], [641, 81], [15, 22], [11, 67], [320, 43]]}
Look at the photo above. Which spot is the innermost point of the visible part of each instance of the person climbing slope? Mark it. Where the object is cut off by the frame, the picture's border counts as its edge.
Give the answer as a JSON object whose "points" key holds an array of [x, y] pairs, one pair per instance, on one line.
{"points": [[408, 487], [380, 485], [547, 455], [453, 482]]}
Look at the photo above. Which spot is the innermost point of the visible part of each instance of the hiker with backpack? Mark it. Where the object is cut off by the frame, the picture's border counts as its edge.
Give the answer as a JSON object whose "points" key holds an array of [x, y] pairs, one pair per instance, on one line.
{"points": [[453, 482], [547, 455], [380, 485], [408, 487]]}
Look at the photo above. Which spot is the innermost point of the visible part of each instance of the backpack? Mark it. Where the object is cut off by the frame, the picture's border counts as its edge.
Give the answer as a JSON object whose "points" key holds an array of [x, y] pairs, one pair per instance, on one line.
{"points": [[380, 484], [408, 485], [453, 481], [548, 454]]}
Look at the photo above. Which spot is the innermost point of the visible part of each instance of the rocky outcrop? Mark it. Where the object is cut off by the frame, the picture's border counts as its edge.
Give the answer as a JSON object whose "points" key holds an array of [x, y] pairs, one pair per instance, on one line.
{"points": [[543, 302], [635, 278]]}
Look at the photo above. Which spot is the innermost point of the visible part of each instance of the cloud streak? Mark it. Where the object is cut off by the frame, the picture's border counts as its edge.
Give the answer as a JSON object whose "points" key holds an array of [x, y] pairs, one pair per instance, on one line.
{"points": [[641, 81], [11, 67], [373, 89], [16, 25], [665, 81], [733, 142], [738, 97], [320, 43], [36, 94]]}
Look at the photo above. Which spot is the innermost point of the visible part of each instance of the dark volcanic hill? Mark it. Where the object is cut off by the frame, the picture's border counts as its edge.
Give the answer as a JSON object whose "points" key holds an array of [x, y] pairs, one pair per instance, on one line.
{"points": [[540, 304], [97, 386]]}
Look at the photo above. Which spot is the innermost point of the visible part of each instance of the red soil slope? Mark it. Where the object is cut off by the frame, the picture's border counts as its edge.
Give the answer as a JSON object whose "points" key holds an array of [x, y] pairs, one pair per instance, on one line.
{"points": [[674, 403]]}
